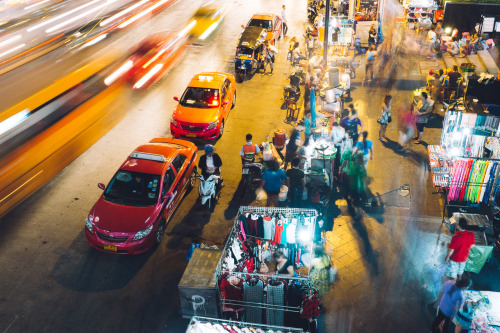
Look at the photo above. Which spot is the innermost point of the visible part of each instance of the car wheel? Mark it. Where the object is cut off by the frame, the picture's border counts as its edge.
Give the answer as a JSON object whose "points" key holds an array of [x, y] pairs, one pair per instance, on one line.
{"points": [[234, 101], [192, 179], [159, 232], [221, 129]]}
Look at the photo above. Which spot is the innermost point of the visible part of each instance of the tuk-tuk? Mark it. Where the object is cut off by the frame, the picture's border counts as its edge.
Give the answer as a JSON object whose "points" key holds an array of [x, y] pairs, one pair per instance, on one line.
{"points": [[248, 58]]}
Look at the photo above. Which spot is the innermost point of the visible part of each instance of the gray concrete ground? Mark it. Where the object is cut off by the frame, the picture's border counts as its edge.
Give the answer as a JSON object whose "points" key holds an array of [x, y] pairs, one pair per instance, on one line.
{"points": [[389, 258]]}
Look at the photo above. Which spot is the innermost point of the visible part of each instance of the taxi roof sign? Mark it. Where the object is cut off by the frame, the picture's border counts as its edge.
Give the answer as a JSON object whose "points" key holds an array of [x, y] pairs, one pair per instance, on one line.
{"points": [[148, 156], [207, 78]]}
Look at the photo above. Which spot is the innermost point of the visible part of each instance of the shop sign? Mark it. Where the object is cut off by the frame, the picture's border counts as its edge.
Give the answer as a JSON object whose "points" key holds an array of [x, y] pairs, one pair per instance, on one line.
{"points": [[367, 10]]}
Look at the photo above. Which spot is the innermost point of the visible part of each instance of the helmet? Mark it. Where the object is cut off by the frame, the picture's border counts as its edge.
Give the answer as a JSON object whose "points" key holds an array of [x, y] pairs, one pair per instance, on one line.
{"points": [[209, 149]]}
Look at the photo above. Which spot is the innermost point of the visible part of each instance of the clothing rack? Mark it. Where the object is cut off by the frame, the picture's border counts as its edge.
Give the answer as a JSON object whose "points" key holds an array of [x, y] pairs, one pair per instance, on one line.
{"points": [[300, 279], [229, 322]]}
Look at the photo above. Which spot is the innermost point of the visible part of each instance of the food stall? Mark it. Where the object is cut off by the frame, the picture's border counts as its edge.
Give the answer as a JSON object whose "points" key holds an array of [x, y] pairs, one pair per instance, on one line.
{"points": [[482, 310]]}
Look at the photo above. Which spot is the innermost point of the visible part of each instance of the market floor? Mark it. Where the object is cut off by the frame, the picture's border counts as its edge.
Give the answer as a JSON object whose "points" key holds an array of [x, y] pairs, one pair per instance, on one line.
{"points": [[390, 256]]}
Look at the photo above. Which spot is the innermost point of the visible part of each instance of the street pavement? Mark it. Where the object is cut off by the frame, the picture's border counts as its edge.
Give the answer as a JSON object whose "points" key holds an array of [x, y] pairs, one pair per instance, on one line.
{"points": [[389, 257]]}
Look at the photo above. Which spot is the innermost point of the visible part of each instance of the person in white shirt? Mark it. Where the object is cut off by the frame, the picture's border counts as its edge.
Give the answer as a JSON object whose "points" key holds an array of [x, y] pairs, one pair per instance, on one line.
{"points": [[431, 39], [283, 19]]}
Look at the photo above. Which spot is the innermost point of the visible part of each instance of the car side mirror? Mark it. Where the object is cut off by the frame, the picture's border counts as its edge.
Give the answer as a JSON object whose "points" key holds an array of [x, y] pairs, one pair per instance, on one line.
{"points": [[176, 98], [243, 26], [101, 186]]}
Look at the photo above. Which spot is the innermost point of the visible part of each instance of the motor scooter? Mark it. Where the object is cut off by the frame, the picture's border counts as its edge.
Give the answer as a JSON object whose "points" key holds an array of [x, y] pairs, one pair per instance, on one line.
{"points": [[209, 191]]}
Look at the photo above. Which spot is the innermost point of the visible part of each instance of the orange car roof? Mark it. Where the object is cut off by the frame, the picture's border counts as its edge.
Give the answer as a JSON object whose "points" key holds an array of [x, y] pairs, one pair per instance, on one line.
{"points": [[263, 16], [207, 80]]}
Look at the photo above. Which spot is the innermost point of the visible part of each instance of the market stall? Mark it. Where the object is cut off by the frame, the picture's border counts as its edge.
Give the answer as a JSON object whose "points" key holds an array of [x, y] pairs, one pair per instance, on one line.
{"points": [[482, 310], [319, 160], [210, 325], [250, 287]]}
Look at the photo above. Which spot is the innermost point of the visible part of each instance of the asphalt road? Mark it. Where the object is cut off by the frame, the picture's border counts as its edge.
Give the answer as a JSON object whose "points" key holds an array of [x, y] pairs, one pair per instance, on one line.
{"points": [[51, 280]]}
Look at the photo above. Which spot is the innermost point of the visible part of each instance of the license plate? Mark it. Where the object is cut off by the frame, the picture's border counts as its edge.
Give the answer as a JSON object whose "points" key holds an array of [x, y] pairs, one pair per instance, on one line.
{"points": [[110, 247], [191, 135], [245, 171]]}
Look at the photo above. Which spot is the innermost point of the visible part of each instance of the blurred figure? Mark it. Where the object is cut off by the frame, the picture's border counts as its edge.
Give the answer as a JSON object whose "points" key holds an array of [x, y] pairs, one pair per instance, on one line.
{"points": [[385, 116], [364, 146], [272, 179], [295, 182], [372, 36], [406, 128], [370, 60], [283, 19]]}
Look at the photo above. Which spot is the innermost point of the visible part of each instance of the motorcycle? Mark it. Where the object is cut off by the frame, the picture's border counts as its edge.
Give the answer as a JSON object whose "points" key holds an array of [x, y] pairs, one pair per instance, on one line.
{"points": [[251, 173], [209, 191], [292, 91]]}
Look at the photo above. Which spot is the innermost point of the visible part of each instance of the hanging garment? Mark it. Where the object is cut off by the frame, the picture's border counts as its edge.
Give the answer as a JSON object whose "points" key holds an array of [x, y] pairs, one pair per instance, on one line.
{"points": [[268, 225], [231, 291], [291, 232], [310, 308], [254, 294], [275, 296], [294, 296], [278, 229], [284, 232]]}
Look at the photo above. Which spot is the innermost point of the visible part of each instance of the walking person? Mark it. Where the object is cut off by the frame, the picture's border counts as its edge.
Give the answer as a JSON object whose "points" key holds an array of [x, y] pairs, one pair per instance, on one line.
{"points": [[370, 60], [459, 249], [366, 147], [372, 36], [352, 122], [319, 272], [268, 53], [272, 179], [295, 182], [406, 129], [431, 41], [423, 110], [283, 20], [385, 116], [450, 303]]}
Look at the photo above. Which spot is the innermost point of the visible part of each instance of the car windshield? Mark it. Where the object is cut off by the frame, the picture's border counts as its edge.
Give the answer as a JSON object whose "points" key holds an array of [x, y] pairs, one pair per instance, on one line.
{"points": [[244, 52], [266, 24], [133, 189], [200, 98]]}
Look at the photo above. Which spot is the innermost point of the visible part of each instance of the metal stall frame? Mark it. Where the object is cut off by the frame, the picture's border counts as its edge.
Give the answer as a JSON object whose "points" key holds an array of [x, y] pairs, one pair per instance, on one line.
{"points": [[224, 322], [302, 280]]}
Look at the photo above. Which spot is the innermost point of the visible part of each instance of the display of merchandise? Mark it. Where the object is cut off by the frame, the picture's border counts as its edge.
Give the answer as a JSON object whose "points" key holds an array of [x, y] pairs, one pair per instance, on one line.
{"points": [[213, 325], [248, 289], [441, 164]]}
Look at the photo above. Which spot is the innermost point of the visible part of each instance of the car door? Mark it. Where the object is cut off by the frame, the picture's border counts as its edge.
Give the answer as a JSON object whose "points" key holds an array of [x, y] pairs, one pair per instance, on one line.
{"points": [[181, 167], [223, 99], [167, 188], [230, 91]]}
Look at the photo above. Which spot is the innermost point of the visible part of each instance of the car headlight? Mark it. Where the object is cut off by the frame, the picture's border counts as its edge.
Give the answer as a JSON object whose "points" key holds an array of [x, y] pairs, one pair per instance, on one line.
{"points": [[174, 122], [143, 233], [212, 125], [88, 223]]}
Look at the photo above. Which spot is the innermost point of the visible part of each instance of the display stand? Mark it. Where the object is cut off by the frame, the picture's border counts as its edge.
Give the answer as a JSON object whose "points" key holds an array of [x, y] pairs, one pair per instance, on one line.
{"points": [[241, 281], [204, 324]]}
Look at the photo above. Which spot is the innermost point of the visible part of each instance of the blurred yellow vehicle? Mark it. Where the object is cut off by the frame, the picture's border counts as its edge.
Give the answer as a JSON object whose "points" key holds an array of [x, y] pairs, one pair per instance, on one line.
{"points": [[206, 20]]}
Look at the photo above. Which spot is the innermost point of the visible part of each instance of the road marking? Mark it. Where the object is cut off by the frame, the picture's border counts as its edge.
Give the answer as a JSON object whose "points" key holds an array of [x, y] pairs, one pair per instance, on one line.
{"points": [[11, 323]]}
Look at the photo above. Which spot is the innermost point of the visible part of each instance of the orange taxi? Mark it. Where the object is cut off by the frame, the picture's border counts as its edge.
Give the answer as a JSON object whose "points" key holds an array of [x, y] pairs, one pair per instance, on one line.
{"points": [[271, 22], [204, 107]]}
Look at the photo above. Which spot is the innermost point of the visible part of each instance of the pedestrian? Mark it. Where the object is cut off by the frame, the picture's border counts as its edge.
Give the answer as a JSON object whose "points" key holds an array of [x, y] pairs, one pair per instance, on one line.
{"points": [[295, 182], [431, 41], [459, 249], [370, 60], [357, 178], [385, 116], [268, 54], [366, 147], [337, 136], [423, 110], [283, 20], [321, 263], [372, 36], [272, 179], [249, 150], [352, 122], [310, 46], [451, 301], [292, 147], [307, 128], [406, 128]]}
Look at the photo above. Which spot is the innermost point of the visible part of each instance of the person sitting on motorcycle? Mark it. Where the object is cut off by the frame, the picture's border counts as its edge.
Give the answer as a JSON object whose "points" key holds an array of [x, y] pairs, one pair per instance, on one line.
{"points": [[210, 163], [249, 150]]}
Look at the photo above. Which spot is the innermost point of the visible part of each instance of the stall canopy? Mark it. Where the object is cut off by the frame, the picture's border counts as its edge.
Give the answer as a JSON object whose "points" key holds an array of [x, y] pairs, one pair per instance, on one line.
{"points": [[465, 15]]}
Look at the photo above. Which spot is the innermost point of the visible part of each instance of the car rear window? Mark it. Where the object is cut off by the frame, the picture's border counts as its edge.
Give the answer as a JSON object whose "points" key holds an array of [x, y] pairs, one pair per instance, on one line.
{"points": [[133, 189], [200, 98], [266, 24]]}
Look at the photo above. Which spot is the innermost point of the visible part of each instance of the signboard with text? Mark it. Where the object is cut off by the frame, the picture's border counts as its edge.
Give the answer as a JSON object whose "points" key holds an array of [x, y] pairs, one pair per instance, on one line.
{"points": [[366, 10]]}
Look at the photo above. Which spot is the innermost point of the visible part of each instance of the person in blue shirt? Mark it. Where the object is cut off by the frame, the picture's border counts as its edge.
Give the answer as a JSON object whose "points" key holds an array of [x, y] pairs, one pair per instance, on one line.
{"points": [[451, 301], [272, 180], [351, 123], [365, 146]]}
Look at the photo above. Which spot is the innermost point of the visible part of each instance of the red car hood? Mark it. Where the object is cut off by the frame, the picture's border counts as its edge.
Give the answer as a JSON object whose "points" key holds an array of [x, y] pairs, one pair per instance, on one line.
{"points": [[118, 218], [195, 115]]}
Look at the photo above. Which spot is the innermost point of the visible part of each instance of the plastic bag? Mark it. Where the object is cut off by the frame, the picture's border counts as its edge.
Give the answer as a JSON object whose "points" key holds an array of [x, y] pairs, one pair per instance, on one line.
{"points": [[260, 194]]}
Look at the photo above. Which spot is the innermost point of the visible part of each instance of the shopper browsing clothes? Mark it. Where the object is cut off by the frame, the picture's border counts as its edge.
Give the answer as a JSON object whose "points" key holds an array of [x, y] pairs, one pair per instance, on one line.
{"points": [[450, 303], [423, 110], [385, 116], [459, 250], [319, 272], [272, 179]]}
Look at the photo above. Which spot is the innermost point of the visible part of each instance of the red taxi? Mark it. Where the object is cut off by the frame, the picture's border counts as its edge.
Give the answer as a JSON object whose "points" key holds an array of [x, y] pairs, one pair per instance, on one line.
{"points": [[147, 64], [204, 107], [272, 23], [131, 215]]}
